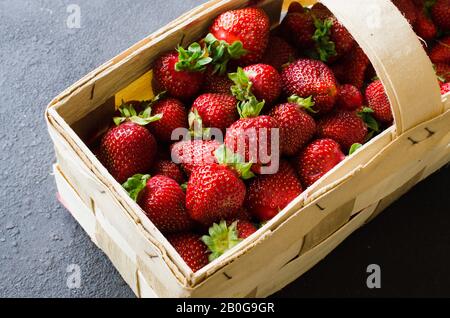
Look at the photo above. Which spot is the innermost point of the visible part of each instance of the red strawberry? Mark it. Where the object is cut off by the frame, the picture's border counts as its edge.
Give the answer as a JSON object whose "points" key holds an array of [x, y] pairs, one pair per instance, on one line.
{"points": [[194, 153], [352, 68], [225, 235], [317, 159], [440, 53], [216, 83], [440, 13], [174, 116], [306, 78], [169, 169], [319, 11], [445, 88], [295, 7], [243, 215], [378, 101], [297, 127], [214, 192], [191, 249], [443, 71], [267, 195], [216, 110], [261, 80], [408, 9], [345, 127], [251, 138], [250, 26], [298, 28], [162, 200], [425, 27], [349, 98], [279, 53], [129, 148], [183, 84]]}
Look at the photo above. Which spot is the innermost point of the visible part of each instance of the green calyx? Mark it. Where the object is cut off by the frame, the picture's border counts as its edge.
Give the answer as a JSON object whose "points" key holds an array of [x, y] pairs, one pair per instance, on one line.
{"points": [[136, 184], [196, 126], [227, 157], [129, 113], [221, 52], [248, 105], [354, 148], [441, 77], [366, 114], [324, 46], [193, 59], [221, 238], [305, 103]]}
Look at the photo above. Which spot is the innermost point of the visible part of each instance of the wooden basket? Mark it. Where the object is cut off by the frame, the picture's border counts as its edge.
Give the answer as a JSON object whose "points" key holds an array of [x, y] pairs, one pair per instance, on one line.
{"points": [[310, 227]]}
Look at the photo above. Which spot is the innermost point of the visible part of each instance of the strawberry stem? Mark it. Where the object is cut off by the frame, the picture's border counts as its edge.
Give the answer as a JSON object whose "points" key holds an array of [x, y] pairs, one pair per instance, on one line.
{"points": [[136, 184], [306, 103], [196, 126], [233, 160], [248, 105], [221, 238], [324, 46], [194, 59], [222, 52]]}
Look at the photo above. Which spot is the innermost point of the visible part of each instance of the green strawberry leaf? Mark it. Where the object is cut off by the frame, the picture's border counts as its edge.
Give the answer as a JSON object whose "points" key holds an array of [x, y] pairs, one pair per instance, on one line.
{"points": [[221, 238], [248, 105], [354, 148], [196, 126], [366, 115], [306, 103], [136, 184], [324, 46], [221, 52], [227, 157], [128, 113], [194, 59], [184, 186]]}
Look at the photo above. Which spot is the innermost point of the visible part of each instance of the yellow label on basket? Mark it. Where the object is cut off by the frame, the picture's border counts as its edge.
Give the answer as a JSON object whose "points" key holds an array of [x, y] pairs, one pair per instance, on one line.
{"points": [[140, 89]]}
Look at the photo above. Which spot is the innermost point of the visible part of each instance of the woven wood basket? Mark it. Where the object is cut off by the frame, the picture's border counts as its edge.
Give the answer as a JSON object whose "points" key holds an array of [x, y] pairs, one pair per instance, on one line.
{"points": [[310, 227]]}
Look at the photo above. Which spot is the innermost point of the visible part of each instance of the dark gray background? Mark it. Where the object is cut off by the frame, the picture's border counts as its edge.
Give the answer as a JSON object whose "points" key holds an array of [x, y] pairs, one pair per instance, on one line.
{"points": [[40, 56]]}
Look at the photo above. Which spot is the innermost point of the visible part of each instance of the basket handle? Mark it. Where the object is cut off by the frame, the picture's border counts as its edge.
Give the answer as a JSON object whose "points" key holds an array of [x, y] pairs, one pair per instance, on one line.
{"points": [[397, 55]]}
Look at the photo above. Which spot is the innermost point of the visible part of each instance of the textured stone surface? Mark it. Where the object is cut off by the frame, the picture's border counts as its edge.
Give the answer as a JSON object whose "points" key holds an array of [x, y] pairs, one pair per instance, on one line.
{"points": [[40, 56]]}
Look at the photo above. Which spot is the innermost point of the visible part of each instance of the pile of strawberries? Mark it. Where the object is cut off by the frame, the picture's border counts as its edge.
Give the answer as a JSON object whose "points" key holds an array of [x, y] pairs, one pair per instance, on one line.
{"points": [[307, 82]]}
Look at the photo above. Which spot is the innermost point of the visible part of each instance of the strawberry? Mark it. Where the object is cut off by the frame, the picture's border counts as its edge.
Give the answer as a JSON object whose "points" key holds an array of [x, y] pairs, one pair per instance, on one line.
{"points": [[244, 215], [259, 80], [194, 153], [215, 83], [251, 138], [214, 192], [317, 159], [298, 28], [267, 195], [162, 200], [352, 68], [440, 53], [169, 169], [378, 101], [279, 53], [445, 88], [250, 26], [174, 116], [345, 127], [408, 9], [321, 12], [129, 148], [191, 249], [225, 235], [440, 13], [443, 72], [425, 27], [349, 98], [216, 110], [180, 82], [307, 78], [297, 127]]}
